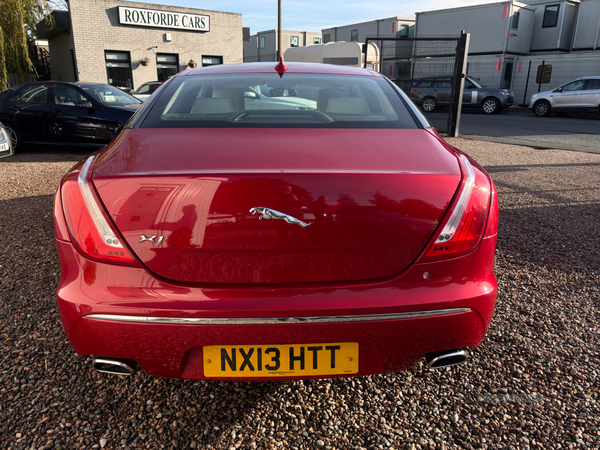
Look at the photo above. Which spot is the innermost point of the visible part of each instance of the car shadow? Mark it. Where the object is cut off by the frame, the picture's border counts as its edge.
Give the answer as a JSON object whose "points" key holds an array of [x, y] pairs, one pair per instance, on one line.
{"points": [[48, 154]]}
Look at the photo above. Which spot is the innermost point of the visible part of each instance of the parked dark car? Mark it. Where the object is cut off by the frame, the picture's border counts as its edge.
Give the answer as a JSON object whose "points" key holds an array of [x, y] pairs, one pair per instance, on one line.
{"points": [[61, 113], [435, 92]]}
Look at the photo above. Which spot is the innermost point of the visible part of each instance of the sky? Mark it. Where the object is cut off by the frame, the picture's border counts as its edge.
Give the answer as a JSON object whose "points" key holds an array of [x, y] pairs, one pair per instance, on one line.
{"points": [[315, 15]]}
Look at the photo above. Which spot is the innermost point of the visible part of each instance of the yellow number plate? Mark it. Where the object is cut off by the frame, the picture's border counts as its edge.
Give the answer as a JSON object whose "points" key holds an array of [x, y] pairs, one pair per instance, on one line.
{"points": [[280, 360]]}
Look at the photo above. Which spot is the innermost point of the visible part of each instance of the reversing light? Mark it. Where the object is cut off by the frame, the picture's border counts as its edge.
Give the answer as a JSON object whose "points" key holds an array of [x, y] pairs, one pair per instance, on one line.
{"points": [[86, 222], [464, 228]]}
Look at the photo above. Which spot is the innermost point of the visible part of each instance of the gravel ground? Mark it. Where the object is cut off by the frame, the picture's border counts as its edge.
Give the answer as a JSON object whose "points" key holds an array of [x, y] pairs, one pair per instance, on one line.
{"points": [[533, 383]]}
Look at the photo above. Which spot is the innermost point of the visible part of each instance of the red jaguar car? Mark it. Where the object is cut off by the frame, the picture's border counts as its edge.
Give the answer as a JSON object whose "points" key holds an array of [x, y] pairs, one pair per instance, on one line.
{"points": [[321, 229]]}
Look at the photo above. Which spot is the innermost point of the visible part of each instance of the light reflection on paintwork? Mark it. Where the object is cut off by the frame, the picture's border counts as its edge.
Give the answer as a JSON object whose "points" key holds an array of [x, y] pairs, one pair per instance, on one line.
{"points": [[212, 237]]}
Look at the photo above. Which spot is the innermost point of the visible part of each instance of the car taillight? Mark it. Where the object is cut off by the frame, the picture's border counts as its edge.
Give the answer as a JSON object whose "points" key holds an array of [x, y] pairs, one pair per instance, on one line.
{"points": [[464, 229], [87, 224]]}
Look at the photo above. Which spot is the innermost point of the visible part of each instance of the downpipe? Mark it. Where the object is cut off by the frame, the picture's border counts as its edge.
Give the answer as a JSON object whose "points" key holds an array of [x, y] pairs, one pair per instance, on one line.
{"points": [[446, 358], [114, 366]]}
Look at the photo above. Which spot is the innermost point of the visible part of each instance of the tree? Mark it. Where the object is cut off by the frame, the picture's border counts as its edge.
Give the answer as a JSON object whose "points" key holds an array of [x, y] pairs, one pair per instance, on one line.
{"points": [[18, 19]]}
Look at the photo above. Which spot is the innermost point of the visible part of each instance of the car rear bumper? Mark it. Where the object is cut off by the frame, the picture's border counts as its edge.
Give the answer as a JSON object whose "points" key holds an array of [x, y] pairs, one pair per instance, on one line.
{"points": [[123, 312]]}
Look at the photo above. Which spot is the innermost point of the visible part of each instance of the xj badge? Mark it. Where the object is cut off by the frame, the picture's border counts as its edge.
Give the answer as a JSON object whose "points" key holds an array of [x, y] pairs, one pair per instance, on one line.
{"points": [[267, 213], [151, 239]]}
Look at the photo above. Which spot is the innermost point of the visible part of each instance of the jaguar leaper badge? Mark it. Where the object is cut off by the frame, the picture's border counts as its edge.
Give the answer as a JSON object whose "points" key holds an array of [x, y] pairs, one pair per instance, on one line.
{"points": [[267, 213]]}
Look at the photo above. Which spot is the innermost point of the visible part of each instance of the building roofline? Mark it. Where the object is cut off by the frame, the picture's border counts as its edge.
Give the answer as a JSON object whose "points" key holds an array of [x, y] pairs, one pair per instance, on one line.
{"points": [[283, 31], [405, 19], [484, 5], [141, 5]]}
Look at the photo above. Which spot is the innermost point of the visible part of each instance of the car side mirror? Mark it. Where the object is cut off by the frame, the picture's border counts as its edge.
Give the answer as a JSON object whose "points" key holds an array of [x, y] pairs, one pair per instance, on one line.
{"points": [[85, 105], [249, 94]]}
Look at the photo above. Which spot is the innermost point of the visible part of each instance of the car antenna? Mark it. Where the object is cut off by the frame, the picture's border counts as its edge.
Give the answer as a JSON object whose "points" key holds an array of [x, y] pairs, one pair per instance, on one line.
{"points": [[281, 67]]}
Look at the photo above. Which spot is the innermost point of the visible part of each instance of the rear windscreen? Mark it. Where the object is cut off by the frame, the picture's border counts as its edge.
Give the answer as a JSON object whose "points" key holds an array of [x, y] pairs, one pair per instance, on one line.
{"points": [[266, 100]]}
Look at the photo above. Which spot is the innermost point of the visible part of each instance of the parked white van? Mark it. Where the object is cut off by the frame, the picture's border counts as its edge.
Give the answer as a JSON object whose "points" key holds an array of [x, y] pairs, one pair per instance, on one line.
{"points": [[339, 53]]}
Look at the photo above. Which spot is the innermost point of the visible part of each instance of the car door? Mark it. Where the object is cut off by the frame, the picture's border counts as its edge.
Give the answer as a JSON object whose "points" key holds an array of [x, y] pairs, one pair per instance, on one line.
{"points": [[567, 97], [442, 89], [28, 110], [469, 94], [76, 119], [590, 96]]}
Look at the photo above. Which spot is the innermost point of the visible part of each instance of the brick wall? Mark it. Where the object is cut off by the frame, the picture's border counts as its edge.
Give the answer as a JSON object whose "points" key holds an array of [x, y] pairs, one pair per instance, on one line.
{"points": [[96, 28]]}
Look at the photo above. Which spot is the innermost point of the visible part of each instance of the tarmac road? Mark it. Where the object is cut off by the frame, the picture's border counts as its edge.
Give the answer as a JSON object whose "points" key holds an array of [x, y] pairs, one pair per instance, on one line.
{"points": [[520, 126]]}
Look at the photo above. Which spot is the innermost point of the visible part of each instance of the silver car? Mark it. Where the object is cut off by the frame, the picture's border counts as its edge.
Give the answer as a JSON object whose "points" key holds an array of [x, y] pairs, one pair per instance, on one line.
{"points": [[6, 148], [580, 95]]}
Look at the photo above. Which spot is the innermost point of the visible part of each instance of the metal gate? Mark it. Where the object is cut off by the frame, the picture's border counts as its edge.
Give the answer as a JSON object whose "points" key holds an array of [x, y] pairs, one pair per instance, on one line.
{"points": [[430, 70]]}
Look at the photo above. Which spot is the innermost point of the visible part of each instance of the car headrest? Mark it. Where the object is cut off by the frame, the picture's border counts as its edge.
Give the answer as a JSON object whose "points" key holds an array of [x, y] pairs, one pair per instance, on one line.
{"points": [[204, 105], [347, 105], [236, 96], [325, 94]]}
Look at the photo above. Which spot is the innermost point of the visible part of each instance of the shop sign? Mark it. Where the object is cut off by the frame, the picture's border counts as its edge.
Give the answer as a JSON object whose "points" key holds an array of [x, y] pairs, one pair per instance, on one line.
{"points": [[163, 19]]}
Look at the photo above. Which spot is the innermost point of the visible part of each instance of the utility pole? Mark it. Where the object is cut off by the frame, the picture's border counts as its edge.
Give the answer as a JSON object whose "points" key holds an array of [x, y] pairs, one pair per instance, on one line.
{"points": [[278, 29]]}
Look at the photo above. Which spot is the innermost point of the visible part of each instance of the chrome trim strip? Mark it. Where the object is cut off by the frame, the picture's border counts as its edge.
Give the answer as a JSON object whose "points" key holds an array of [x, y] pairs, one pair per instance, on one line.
{"points": [[274, 320]]}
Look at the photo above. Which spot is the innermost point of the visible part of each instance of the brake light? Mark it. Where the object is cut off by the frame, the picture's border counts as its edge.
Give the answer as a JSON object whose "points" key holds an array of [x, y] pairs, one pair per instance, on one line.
{"points": [[86, 223], [464, 229]]}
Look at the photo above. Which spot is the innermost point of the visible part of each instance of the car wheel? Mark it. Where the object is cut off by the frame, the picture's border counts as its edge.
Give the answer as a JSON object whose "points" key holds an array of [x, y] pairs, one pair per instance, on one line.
{"points": [[490, 106], [429, 104], [15, 138], [541, 108]]}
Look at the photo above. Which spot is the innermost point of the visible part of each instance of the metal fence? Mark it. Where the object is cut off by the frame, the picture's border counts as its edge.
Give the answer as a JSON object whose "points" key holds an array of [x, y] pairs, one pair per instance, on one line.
{"points": [[408, 61]]}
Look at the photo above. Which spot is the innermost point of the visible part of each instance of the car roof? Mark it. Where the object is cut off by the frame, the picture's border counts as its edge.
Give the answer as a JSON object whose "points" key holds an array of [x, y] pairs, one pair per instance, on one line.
{"points": [[79, 83], [292, 67]]}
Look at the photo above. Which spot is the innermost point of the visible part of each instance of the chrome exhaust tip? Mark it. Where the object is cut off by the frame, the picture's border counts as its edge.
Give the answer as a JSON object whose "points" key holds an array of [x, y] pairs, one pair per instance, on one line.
{"points": [[114, 366], [446, 358]]}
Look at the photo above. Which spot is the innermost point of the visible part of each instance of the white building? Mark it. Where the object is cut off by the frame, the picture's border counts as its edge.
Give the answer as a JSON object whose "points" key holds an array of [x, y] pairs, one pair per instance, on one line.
{"points": [[402, 27], [262, 46], [563, 36]]}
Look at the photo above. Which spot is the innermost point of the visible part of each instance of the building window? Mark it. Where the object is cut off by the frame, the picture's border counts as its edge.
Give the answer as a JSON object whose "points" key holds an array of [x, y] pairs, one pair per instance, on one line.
{"points": [[403, 31], [354, 36], [544, 74], [166, 65], [550, 16], [326, 38], [592, 85], [316, 40], [515, 21], [294, 41], [211, 60], [118, 69], [261, 42]]}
